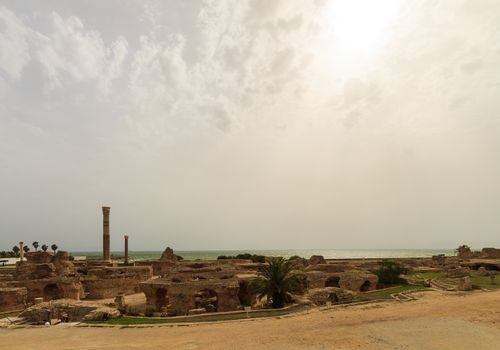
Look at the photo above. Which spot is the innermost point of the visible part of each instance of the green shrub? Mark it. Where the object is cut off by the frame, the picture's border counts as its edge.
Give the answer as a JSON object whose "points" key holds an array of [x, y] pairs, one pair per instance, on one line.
{"points": [[389, 272], [132, 310], [245, 256]]}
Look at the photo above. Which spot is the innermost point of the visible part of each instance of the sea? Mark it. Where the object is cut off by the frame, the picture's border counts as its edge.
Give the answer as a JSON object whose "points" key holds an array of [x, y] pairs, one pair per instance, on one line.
{"points": [[286, 253]]}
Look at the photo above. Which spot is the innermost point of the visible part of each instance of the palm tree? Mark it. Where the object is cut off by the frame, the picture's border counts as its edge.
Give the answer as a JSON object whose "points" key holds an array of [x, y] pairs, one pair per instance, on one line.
{"points": [[26, 249], [35, 245], [275, 281], [16, 250], [54, 247], [45, 247]]}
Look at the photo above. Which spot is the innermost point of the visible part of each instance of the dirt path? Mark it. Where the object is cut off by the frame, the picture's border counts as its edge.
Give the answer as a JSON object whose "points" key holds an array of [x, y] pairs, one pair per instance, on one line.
{"points": [[435, 321]]}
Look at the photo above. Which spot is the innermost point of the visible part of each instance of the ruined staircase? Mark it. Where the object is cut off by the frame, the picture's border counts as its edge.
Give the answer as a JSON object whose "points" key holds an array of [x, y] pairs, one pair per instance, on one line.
{"points": [[443, 286], [402, 297]]}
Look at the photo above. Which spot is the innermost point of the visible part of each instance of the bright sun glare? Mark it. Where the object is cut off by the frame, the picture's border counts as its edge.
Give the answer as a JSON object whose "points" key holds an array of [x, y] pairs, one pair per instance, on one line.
{"points": [[359, 26]]}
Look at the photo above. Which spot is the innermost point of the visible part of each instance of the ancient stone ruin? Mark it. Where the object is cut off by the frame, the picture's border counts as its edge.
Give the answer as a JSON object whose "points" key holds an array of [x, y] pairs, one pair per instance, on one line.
{"points": [[51, 285], [48, 276], [66, 310], [195, 287], [13, 299]]}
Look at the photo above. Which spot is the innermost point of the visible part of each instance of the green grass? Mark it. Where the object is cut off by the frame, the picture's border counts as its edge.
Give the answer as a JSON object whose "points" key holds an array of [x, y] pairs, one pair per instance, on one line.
{"points": [[477, 280], [10, 314], [386, 292], [129, 320], [484, 281], [426, 275]]}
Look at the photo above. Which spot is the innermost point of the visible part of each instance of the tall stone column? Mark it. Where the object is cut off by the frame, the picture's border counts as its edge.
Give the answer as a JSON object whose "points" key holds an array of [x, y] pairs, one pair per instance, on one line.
{"points": [[21, 250], [126, 250], [105, 233]]}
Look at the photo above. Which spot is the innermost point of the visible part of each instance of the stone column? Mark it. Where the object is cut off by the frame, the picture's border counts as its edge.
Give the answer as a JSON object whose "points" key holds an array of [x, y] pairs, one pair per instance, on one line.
{"points": [[105, 233], [126, 250], [21, 251]]}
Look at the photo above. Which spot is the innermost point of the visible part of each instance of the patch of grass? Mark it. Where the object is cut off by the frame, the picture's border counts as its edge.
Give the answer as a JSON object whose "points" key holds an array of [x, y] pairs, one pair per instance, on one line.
{"points": [[427, 275], [484, 281], [476, 279], [386, 292], [10, 314], [129, 320]]}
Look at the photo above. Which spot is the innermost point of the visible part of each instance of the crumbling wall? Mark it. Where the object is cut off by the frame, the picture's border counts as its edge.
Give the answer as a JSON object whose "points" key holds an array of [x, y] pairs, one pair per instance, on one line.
{"points": [[160, 268], [107, 282], [51, 288], [181, 297], [69, 311], [12, 299], [357, 281], [320, 296], [41, 265], [490, 253]]}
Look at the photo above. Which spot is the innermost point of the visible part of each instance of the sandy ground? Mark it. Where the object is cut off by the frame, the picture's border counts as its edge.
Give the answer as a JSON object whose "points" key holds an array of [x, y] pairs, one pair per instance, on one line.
{"points": [[434, 321]]}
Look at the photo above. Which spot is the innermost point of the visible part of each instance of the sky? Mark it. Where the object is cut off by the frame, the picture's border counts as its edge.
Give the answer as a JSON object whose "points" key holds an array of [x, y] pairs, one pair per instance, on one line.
{"points": [[250, 124]]}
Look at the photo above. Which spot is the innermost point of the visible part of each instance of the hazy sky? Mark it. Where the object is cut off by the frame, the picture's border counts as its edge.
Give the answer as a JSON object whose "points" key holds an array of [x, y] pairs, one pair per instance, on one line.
{"points": [[250, 124]]}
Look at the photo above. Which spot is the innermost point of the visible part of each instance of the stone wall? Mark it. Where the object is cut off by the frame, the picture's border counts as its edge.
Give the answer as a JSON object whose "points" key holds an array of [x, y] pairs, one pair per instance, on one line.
{"points": [[47, 275], [320, 296], [12, 299], [109, 281], [68, 311], [51, 288], [490, 253], [179, 298], [160, 268], [39, 265], [357, 281]]}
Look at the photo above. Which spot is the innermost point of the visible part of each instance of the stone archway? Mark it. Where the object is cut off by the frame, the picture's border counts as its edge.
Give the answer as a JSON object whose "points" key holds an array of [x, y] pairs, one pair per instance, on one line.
{"points": [[365, 286], [332, 281], [207, 299], [161, 299], [51, 291]]}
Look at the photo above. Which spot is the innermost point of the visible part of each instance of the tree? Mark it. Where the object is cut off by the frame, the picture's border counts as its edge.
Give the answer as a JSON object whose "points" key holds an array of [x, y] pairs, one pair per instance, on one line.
{"points": [[45, 247], [26, 249], [35, 245], [16, 250], [389, 272], [54, 247], [276, 282]]}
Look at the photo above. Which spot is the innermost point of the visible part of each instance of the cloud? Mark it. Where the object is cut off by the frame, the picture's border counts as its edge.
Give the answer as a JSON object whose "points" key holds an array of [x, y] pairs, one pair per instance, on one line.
{"points": [[158, 76], [14, 45], [250, 117], [71, 53], [239, 67], [65, 51]]}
